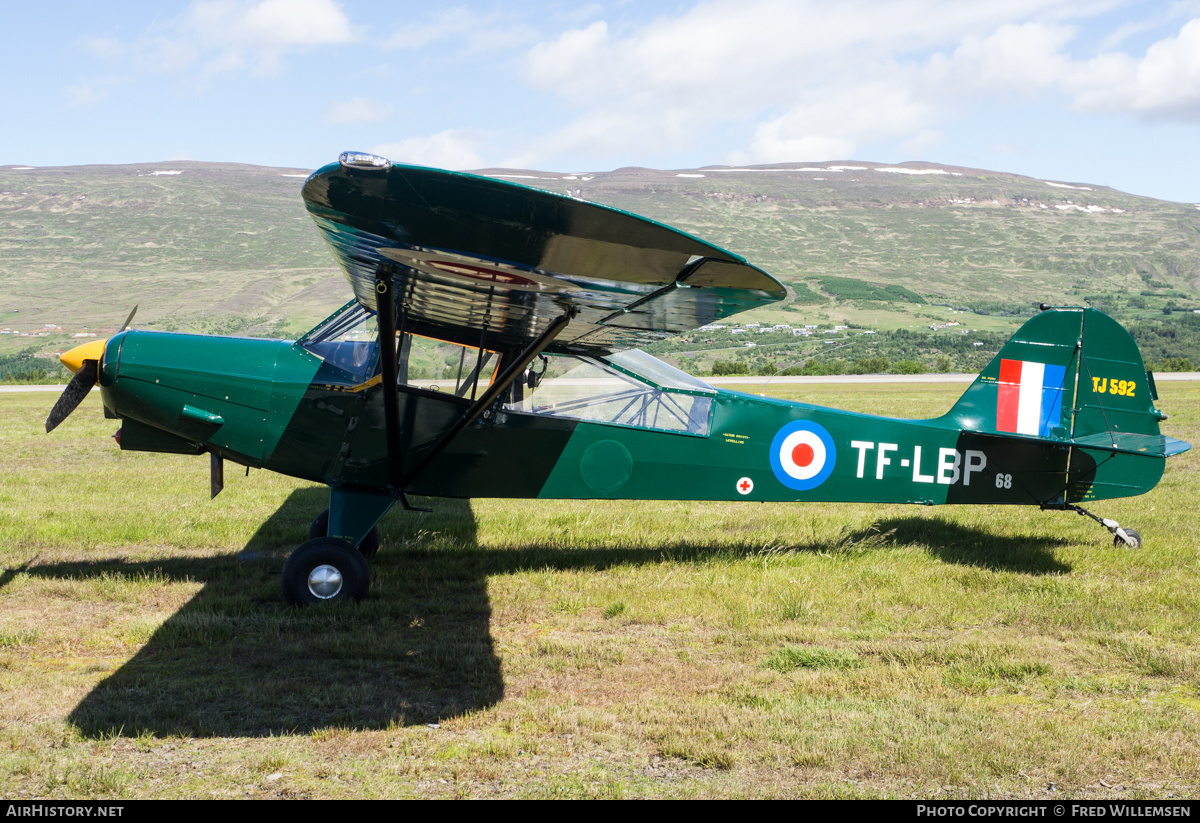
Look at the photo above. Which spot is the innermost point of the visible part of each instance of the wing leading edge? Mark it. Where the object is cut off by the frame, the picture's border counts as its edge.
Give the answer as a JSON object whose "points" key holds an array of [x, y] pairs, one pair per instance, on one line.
{"points": [[472, 253]]}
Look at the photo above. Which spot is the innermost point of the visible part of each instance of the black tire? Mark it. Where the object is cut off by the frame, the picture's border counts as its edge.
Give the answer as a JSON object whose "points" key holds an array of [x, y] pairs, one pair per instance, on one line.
{"points": [[320, 528], [1137, 540], [325, 570]]}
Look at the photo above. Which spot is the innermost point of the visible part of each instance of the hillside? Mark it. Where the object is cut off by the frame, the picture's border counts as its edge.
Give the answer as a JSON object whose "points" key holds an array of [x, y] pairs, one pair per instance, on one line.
{"points": [[971, 238], [212, 247], [229, 248]]}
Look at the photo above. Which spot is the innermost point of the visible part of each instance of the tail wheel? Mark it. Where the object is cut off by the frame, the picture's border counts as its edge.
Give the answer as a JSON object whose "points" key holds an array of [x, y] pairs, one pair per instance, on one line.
{"points": [[324, 570], [320, 528], [1133, 535]]}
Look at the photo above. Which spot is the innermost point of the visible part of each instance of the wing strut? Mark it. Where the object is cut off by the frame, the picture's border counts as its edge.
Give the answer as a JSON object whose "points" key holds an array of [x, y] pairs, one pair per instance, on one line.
{"points": [[680, 280], [486, 399], [385, 296], [385, 301]]}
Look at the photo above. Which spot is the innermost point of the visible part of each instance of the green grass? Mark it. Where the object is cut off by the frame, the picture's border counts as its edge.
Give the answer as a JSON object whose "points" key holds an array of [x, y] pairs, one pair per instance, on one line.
{"points": [[815, 657], [588, 648]]}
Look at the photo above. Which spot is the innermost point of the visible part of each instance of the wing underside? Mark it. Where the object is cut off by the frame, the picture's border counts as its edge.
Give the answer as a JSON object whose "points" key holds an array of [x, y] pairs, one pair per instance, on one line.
{"points": [[472, 256]]}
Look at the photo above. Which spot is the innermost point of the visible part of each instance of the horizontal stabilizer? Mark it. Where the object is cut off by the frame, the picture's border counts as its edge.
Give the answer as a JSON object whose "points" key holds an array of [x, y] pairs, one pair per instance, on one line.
{"points": [[1153, 444]]}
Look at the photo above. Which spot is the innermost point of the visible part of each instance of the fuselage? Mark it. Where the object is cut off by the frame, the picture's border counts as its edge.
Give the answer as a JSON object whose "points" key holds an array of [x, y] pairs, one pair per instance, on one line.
{"points": [[280, 406]]}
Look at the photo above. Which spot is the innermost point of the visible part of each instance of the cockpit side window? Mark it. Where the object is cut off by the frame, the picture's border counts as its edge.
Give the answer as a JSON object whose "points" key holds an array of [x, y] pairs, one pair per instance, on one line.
{"points": [[430, 363], [585, 388], [347, 342]]}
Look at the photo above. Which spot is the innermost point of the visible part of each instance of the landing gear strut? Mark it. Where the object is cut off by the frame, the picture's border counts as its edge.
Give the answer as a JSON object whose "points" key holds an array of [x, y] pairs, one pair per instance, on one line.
{"points": [[1121, 537], [367, 547]]}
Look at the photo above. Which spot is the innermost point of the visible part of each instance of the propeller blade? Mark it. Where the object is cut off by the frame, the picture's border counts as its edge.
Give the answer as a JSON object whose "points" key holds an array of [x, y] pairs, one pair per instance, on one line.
{"points": [[128, 319], [74, 393]]}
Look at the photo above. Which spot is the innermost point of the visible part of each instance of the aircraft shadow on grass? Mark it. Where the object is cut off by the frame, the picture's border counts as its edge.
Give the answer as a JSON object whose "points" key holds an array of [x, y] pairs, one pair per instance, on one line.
{"points": [[235, 661]]}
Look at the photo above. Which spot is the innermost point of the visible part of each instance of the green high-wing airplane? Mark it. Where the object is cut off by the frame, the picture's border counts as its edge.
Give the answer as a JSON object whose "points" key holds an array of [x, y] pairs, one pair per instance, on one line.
{"points": [[541, 301]]}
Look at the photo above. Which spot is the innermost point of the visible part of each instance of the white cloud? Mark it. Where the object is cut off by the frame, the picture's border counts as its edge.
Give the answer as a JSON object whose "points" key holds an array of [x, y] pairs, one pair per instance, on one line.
{"points": [[464, 30], [754, 48], [816, 81], [1022, 58], [811, 80], [356, 111], [105, 48], [833, 127], [92, 90], [1165, 83], [451, 149], [769, 146], [211, 38], [922, 145], [1153, 18], [266, 26]]}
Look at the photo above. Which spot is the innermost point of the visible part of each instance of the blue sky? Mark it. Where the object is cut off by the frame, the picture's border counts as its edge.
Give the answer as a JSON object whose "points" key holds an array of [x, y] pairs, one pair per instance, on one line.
{"points": [[1103, 92]]}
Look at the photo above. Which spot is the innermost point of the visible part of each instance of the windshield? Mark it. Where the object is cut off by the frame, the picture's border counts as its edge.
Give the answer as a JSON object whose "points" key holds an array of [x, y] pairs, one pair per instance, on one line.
{"points": [[663, 375], [346, 342]]}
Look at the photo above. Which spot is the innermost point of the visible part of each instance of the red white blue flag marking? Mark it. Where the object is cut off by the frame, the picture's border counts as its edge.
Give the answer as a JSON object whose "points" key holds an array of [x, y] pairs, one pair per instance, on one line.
{"points": [[802, 455], [1029, 400]]}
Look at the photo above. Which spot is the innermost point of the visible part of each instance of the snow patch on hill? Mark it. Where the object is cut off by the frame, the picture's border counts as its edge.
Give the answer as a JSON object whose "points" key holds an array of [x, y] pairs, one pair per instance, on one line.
{"points": [[894, 170]]}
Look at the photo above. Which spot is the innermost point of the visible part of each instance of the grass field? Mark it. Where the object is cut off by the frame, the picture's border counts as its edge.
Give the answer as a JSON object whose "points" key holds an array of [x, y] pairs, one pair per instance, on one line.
{"points": [[588, 649]]}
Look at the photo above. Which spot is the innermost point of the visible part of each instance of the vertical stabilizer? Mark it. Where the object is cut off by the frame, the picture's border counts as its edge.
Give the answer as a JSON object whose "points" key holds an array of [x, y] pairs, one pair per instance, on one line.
{"points": [[1074, 377], [1071, 375], [1029, 387]]}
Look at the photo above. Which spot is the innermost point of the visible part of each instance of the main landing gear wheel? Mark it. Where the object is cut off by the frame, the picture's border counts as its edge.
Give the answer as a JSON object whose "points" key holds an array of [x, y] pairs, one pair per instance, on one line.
{"points": [[320, 528], [324, 570], [1133, 535]]}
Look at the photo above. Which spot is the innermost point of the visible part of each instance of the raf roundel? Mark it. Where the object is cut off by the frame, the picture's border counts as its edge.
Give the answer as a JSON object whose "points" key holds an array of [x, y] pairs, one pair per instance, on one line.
{"points": [[802, 455]]}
